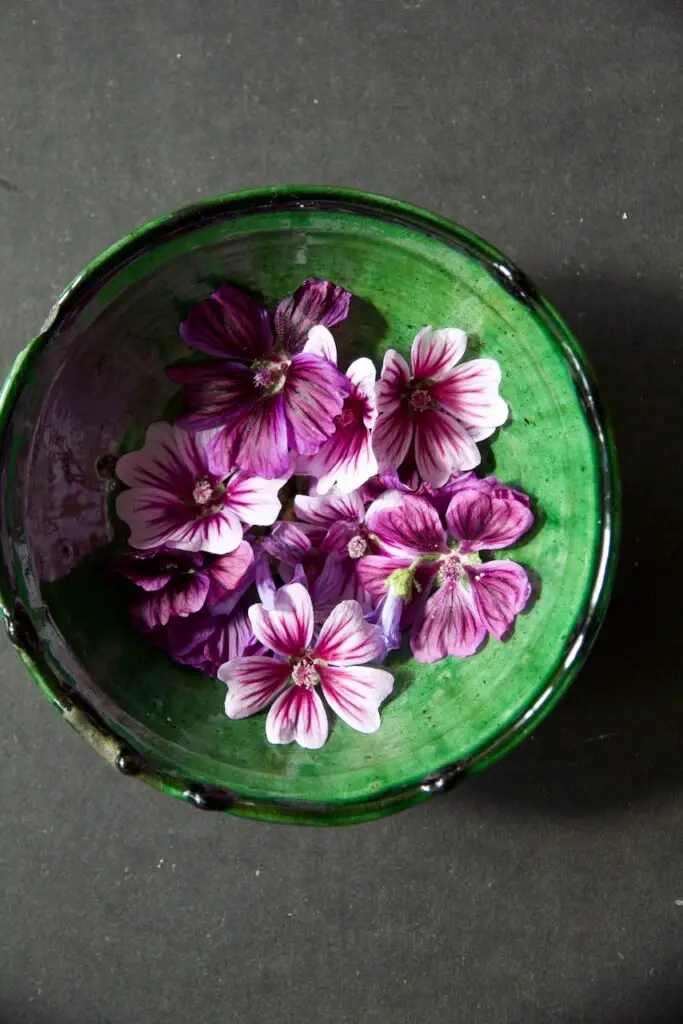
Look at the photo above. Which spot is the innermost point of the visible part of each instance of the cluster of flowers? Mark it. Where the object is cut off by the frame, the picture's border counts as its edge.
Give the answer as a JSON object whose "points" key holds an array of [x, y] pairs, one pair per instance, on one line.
{"points": [[285, 593]]}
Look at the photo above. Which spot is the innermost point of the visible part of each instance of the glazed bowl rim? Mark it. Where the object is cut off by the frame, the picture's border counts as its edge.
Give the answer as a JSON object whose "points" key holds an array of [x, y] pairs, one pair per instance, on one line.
{"points": [[99, 734]]}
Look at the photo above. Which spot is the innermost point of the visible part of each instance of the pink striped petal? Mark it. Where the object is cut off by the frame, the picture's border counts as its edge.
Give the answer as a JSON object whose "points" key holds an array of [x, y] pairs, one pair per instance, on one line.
{"points": [[346, 638], [298, 714], [374, 571], [470, 393], [171, 459], [313, 397], [287, 628], [217, 393], [490, 521], [228, 324], [393, 431], [154, 517], [500, 591], [345, 461], [442, 446], [363, 376], [354, 694], [436, 352], [448, 624], [330, 508], [314, 302], [229, 571], [258, 442], [253, 498], [218, 534], [409, 527], [252, 684], [321, 343]]}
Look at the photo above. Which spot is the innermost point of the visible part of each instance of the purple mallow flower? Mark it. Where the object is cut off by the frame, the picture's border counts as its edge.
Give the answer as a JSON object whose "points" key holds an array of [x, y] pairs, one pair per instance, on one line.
{"points": [[473, 598], [336, 662], [340, 522], [436, 411], [180, 495], [269, 392]]}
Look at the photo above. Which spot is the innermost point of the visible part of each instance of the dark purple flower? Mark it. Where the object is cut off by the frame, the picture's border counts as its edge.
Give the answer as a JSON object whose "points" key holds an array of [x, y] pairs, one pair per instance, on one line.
{"points": [[268, 392], [179, 583]]}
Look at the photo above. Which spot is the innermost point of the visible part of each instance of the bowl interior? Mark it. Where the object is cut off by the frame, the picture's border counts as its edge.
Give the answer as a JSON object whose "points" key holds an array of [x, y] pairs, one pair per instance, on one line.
{"points": [[98, 380]]}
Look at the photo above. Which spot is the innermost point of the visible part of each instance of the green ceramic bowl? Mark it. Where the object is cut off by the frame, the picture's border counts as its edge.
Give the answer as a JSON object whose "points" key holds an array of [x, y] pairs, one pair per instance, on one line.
{"points": [[88, 385]]}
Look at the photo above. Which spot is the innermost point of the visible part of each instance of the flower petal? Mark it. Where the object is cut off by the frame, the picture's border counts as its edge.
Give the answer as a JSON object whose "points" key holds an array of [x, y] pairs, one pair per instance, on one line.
{"points": [[363, 375], [313, 396], [321, 343], [288, 543], [500, 591], [448, 624], [183, 597], [374, 571], [346, 460], [314, 302], [442, 445], [436, 352], [393, 431], [298, 714], [354, 694], [470, 393], [154, 517], [252, 684], [231, 570], [171, 459], [217, 393], [330, 508], [287, 628], [253, 498], [347, 639], [411, 527], [228, 324], [258, 443], [488, 521]]}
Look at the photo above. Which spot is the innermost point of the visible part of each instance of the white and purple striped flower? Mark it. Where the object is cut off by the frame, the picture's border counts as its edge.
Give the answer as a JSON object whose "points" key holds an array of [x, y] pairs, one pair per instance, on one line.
{"points": [[436, 411], [335, 662], [473, 598], [271, 394], [182, 495]]}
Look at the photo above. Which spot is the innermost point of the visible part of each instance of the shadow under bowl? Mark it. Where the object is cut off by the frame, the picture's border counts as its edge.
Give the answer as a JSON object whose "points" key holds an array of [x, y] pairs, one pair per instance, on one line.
{"points": [[87, 387]]}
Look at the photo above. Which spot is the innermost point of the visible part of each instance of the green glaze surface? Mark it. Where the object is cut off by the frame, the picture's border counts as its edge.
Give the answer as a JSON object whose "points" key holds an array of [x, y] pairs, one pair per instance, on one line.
{"points": [[406, 269]]}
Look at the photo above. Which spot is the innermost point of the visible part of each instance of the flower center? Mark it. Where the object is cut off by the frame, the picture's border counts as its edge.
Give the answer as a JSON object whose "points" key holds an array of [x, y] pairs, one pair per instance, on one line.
{"points": [[304, 673], [346, 418], [203, 492], [357, 546], [269, 375], [452, 569], [420, 399]]}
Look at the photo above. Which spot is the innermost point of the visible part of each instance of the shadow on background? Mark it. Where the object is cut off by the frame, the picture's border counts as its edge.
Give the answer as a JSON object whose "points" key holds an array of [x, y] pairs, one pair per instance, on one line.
{"points": [[616, 736]]}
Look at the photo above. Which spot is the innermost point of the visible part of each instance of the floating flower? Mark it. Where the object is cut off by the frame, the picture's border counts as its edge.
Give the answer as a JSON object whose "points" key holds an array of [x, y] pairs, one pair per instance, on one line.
{"points": [[335, 662], [473, 597], [436, 411], [179, 583], [182, 496], [268, 393]]}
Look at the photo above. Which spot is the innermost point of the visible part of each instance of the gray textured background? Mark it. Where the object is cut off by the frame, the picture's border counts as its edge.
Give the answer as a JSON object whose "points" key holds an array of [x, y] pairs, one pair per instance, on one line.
{"points": [[545, 890]]}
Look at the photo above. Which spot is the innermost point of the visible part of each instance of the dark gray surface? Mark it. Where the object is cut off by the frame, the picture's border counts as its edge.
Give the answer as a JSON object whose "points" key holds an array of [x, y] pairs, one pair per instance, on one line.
{"points": [[546, 890]]}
